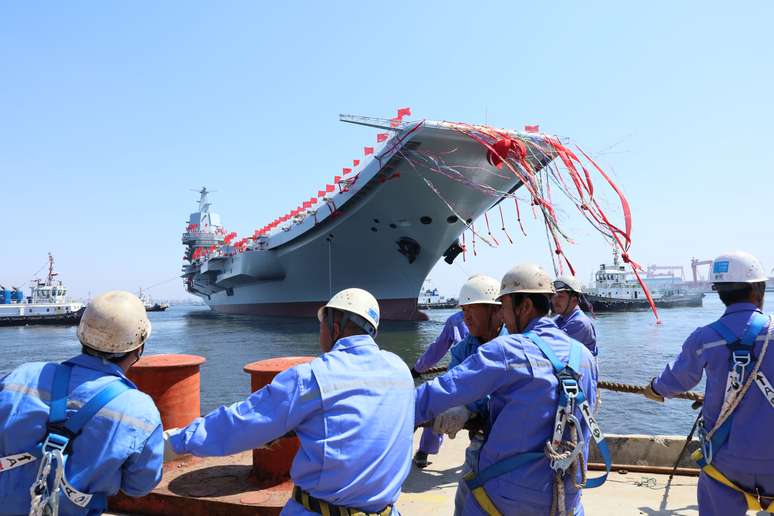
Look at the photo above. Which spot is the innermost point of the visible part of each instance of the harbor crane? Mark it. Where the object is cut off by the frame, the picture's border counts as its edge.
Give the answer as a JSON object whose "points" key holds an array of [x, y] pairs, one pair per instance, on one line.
{"points": [[695, 264], [652, 271]]}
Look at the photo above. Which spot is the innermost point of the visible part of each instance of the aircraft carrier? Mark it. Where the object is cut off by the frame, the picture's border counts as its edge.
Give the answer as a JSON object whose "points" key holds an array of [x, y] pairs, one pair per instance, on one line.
{"points": [[382, 228]]}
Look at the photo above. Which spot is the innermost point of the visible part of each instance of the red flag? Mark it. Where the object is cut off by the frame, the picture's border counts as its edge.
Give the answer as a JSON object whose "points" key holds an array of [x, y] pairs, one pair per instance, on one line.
{"points": [[336, 179], [306, 204], [330, 188], [381, 137], [313, 200], [347, 171], [404, 112], [395, 122], [320, 193], [532, 128], [355, 162], [368, 150]]}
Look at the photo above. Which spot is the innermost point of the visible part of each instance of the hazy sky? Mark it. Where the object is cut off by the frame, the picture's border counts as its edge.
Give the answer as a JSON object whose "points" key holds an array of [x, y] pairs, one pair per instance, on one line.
{"points": [[111, 111]]}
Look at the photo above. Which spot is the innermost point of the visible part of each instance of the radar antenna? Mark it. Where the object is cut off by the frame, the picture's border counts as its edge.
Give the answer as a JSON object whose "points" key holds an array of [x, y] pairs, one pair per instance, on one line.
{"points": [[51, 273]]}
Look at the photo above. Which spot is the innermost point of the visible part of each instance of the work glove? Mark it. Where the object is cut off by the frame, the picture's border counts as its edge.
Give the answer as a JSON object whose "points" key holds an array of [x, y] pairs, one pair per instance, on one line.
{"points": [[651, 393], [451, 421], [169, 452]]}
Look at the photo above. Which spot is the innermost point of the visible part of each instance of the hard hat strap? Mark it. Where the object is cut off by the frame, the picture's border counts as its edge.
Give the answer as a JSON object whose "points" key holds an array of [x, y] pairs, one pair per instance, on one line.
{"points": [[346, 318], [362, 323], [329, 320]]}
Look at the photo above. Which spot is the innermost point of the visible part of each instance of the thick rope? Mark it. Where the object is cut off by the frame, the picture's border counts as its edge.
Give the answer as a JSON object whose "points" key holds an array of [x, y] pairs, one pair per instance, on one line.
{"points": [[602, 384], [564, 450]]}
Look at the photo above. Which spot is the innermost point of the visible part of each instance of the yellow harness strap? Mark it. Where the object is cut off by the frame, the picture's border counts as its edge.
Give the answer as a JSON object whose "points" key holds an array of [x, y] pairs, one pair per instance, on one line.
{"points": [[752, 499], [483, 499]]}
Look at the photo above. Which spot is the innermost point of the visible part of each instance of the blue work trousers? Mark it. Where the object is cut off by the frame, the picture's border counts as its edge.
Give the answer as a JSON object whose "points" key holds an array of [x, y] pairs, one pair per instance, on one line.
{"points": [[715, 499], [430, 442]]}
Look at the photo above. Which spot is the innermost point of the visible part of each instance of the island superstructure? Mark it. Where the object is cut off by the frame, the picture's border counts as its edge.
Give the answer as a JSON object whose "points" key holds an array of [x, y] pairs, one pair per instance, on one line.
{"points": [[382, 229]]}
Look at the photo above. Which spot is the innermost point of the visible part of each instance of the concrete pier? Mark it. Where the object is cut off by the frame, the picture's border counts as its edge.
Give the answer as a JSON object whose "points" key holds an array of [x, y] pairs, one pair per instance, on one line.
{"points": [[431, 491], [225, 485]]}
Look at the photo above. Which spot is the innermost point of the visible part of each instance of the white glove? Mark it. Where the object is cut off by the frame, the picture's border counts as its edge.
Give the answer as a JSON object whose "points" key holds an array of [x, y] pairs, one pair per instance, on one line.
{"points": [[451, 421], [169, 453]]}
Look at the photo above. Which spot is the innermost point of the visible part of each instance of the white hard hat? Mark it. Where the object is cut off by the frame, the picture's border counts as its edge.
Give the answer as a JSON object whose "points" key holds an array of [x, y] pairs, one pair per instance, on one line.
{"points": [[479, 290], [737, 267], [568, 282], [355, 301], [114, 322], [526, 278]]}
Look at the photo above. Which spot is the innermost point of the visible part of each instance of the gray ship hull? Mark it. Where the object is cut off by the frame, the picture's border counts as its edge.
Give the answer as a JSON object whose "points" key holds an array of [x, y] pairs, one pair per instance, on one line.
{"points": [[384, 235]]}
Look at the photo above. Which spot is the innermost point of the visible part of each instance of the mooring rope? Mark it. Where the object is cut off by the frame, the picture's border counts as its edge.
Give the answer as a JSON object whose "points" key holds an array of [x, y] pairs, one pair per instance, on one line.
{"points": [[602, 384]]}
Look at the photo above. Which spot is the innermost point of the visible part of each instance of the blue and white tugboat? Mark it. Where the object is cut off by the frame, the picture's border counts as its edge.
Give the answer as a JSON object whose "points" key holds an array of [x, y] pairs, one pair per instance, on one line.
{"points": [[46, 304], [615, 290]]}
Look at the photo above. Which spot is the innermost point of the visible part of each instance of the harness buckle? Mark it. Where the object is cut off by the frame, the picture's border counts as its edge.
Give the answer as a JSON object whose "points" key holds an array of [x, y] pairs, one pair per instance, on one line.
{"points": [[56, 442], [62, 434], [741, 359], [570, 387]]}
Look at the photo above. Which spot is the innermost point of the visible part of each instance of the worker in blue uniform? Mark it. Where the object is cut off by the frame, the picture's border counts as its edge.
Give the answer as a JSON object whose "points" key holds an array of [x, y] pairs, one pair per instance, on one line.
{"points": [[73, 433], [542, 388], [736, 457], [483, 318], [454, 330], [570, 317], [351, 408]]}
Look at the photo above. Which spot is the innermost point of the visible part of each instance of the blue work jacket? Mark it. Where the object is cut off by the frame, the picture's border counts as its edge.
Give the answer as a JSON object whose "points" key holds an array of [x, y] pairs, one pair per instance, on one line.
{"points": [[121, 447], [352, 410], [522, 408], [461, 351], [454, 330], [580, 327], [748, 449]]}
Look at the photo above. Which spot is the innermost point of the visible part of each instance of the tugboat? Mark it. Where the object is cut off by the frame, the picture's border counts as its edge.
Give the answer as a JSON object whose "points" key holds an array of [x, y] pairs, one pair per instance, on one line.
{"points": [[46, 304], [430, 298], [615, 290], [150, 306]]}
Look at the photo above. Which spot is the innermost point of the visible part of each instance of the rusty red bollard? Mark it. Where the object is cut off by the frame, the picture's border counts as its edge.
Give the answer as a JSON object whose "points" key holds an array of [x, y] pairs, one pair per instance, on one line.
{"points": [[174, 384], [274, 461]]}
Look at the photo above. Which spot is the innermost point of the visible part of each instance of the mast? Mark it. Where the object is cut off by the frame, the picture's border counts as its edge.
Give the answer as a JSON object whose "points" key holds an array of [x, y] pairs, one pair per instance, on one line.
{"points": [[51, 273]]}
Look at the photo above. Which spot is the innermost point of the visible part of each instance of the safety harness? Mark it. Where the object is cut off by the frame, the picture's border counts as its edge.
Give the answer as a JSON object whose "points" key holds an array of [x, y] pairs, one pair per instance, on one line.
{"points": [[313, 504], [742, 357], [564, 455], [56, 446]]}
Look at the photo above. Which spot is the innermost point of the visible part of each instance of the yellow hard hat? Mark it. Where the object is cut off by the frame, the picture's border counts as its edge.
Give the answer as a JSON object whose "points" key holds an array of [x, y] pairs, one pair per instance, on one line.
{"points": [[114, 322]]}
